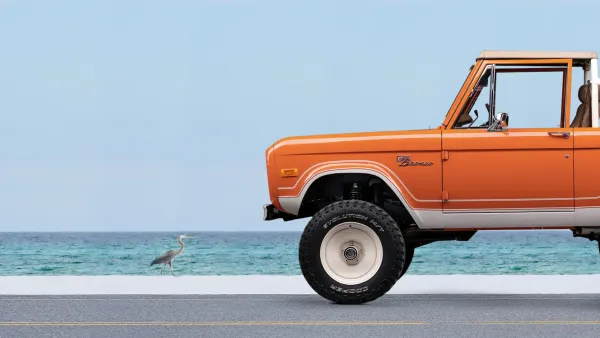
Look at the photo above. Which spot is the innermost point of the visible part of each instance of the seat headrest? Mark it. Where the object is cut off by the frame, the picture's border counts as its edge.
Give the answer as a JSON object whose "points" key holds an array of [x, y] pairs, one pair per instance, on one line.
{"points": [[584, 94]]}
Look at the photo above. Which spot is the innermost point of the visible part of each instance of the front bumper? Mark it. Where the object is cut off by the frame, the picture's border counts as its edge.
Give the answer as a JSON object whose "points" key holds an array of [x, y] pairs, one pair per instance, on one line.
{"points": [[270, 212]]}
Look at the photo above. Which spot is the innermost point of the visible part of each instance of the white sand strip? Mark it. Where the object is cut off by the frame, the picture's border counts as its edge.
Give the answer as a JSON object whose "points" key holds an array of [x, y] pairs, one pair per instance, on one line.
{"points": [[430, 284]]}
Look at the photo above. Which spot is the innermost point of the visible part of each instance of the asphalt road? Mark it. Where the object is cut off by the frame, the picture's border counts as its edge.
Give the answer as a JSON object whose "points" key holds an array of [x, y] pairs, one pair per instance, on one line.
{"points": [[300, 316]]}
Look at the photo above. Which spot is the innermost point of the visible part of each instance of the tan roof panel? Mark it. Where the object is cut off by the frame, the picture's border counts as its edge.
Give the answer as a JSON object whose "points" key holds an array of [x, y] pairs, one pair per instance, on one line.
{"points": [[518, 54]]}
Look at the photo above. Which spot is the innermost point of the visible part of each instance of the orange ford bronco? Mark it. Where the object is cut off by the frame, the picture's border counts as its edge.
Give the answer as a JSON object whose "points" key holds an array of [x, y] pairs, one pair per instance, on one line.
{"points": [[374, 197]]}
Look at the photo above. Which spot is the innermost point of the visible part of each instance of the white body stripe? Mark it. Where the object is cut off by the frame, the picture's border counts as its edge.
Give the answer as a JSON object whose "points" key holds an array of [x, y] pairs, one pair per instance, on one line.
{"points": [[321, 165], [386, 169]]}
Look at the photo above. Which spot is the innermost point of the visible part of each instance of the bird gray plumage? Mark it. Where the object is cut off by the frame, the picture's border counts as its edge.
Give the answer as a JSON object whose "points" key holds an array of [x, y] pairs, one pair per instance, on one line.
{"points": [[169, 256]]}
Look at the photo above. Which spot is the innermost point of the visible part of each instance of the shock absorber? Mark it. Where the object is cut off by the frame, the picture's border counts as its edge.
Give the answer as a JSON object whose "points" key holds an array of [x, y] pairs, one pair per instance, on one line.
{"points": [[355, 192]]}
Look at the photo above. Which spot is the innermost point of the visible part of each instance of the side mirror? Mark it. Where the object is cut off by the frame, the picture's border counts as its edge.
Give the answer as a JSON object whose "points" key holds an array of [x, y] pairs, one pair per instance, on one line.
{"points": [[503, 118], [500, 124]]}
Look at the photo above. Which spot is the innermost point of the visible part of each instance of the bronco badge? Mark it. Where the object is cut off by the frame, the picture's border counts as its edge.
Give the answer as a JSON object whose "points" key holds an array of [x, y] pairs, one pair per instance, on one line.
{"points": [[404, 161]]}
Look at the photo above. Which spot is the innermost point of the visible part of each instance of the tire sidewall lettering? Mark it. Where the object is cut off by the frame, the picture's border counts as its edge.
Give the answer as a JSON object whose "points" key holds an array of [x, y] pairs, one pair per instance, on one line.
{"points": [[349, 290], [359, 218]]}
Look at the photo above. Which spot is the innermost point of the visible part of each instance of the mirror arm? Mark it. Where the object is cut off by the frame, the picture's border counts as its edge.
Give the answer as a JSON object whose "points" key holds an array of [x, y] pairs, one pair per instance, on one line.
{"points": [[497, 124]]}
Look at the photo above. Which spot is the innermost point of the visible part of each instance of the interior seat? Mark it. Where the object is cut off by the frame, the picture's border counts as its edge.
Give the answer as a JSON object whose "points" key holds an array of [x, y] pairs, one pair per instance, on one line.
{"points": [[583, 117]]}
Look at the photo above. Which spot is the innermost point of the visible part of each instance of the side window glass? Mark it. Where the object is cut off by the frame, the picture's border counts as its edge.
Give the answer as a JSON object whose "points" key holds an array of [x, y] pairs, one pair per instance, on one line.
{"points": [[532, 96], [532, 99]]}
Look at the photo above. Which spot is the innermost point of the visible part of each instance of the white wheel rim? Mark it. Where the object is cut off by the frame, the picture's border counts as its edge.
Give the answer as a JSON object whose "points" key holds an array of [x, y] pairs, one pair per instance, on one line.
{"points": [[341, 239]]}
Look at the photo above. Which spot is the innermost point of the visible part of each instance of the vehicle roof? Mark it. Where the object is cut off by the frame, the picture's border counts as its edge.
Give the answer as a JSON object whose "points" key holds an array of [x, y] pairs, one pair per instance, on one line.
{"points": [[524, 54]]}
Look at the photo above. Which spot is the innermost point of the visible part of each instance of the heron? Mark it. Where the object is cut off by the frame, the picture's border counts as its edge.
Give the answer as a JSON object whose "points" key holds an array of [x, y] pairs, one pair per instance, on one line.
{"points": [[169, 256]]}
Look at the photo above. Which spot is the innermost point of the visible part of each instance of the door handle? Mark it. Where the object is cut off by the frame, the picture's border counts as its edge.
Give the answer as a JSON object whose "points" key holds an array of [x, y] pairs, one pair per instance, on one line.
{"points": [[564, 134]]}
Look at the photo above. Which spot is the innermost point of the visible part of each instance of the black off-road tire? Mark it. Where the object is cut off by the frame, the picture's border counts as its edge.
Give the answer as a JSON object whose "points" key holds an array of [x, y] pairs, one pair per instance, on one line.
{"points": [[386, 229], [410, 253]]}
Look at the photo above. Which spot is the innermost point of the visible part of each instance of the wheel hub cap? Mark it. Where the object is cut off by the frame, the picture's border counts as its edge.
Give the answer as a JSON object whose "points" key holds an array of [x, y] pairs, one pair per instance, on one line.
{"points": [[351, 253]]}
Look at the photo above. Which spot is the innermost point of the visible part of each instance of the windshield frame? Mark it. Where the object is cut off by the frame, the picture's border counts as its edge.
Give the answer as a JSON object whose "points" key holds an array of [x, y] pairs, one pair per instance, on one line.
{"points": [[458, 100]]}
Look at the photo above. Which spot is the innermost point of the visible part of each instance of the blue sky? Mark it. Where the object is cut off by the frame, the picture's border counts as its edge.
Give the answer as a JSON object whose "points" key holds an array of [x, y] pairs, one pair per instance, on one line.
{"points": [[154, 115]]}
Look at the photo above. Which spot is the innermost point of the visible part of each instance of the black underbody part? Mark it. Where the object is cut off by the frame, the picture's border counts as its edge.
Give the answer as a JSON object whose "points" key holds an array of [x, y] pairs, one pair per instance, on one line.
{"points": [[272, 213], [417, 238], [592, 236]]}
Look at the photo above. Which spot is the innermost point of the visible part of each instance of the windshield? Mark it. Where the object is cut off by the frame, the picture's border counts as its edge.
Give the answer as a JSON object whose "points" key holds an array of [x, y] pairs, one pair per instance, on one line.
{"points": [[482, 83]]}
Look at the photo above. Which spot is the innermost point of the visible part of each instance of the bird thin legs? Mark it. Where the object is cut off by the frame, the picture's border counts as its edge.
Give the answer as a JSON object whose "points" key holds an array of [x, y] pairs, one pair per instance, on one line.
{"points": [[170, 265]]}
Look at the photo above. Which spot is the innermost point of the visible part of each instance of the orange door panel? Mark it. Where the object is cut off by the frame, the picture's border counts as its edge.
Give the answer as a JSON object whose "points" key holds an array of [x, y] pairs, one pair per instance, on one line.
{"points": [[513, 171], [587, 177]]}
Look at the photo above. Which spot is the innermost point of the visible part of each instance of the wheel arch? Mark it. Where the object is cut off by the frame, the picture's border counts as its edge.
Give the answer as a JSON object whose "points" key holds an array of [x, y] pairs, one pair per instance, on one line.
{"points": [[329, 182]]}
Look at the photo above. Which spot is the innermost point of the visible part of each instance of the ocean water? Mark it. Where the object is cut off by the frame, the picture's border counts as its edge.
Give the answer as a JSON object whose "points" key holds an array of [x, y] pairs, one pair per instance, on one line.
{"points": [[275, 253]]}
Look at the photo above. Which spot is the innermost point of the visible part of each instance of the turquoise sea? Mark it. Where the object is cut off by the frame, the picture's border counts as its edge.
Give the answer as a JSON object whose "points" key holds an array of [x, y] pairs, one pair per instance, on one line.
{"points": [[275, 253]]}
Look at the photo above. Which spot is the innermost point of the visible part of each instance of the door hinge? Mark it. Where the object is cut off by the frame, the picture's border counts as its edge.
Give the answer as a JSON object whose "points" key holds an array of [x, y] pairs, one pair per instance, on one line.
{"points": [[445, 155], [444, 196]]}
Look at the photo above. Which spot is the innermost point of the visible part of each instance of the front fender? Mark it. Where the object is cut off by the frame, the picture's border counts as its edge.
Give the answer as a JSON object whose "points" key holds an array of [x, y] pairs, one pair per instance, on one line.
{"points": [[290, 198]]}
